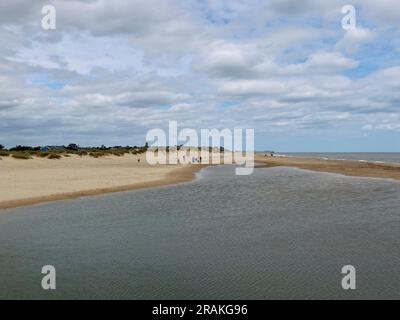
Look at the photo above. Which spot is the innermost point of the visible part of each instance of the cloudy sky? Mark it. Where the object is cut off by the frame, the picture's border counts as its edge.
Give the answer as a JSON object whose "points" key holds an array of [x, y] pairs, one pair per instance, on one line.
{"points": [[114, 69]]}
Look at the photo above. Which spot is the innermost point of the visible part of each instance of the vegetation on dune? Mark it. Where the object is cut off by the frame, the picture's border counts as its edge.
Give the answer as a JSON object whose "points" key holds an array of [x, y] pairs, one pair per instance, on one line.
{"points": [[82, 153], [97, 154], [21, 155], [57, 152], [54, 156], [42, 154]]}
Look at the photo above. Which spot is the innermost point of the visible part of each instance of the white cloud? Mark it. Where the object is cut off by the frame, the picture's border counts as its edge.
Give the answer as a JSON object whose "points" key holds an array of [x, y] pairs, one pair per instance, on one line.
{"points": [[323, 62], [112, 69], [354, 38]]}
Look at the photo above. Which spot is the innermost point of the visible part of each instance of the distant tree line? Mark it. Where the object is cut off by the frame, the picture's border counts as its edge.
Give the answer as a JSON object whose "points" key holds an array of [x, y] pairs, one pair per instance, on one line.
{"points": [[57, 152], [71, 147]]}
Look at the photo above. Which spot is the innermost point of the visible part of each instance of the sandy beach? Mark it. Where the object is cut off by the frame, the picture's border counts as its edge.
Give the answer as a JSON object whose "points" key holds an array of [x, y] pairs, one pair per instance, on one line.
{"points": [[346, 167], [26, 182]]}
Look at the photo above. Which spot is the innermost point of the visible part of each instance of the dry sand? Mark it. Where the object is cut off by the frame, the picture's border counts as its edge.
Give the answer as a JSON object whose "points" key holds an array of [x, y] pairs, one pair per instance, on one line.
{"points": [[346, 167], [25, 182]]}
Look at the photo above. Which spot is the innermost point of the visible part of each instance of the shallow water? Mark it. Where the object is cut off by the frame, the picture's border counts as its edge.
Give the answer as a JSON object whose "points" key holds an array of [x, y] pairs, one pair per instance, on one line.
{"points": [[279, 233]]}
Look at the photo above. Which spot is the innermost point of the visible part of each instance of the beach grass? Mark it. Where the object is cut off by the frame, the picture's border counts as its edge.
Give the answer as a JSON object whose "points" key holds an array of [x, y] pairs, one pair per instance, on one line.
{"points": [[30, 152], [54, 156], [21, 155], [42, 154]]}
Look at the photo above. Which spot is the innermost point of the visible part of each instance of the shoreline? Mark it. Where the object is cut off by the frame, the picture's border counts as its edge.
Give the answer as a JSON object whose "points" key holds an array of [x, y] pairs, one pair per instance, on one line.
{"points": [[177, 176], [353, 168], [28, 182]]}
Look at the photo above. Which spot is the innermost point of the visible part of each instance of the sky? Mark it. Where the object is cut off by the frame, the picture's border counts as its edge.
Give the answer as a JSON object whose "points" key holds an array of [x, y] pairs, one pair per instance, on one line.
{"points": [[112, 70]]}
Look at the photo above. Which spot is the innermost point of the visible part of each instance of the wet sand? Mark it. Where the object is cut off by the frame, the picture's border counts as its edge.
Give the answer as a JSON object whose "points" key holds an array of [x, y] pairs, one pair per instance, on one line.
{"points": [[346, 167]]}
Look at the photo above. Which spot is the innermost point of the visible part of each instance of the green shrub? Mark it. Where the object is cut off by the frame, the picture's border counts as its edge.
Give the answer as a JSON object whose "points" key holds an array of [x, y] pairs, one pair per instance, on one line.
{"points": [[97, 154], [138, 151], [82, 153], [21, 155], [54, 156], [4, 153], [117, 153], [42, 154]]}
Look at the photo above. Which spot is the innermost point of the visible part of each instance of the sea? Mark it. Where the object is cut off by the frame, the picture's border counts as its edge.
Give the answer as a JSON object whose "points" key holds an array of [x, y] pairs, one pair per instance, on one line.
{"points": [[386, 157], [280, 233]]}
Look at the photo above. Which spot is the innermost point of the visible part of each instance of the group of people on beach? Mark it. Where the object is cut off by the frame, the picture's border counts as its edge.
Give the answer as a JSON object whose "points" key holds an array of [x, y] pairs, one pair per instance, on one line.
{"points": [[194, 160]]}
